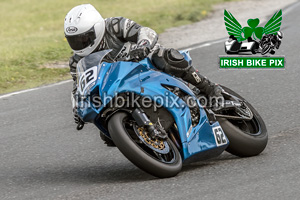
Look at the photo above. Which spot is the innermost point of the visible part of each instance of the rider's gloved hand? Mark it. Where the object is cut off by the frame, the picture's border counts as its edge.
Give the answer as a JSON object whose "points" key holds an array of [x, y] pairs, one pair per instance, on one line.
{"points": [[141, 51], [76, 118]]}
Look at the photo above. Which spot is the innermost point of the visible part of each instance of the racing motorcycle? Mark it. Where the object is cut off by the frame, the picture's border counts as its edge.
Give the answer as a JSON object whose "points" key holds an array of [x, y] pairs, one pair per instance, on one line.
{"points": [[271, 42], [177, 127]]}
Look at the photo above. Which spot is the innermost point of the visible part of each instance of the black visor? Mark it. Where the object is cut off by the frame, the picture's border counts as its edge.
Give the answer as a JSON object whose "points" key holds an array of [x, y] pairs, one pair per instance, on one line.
{"points": [[83, 40]]}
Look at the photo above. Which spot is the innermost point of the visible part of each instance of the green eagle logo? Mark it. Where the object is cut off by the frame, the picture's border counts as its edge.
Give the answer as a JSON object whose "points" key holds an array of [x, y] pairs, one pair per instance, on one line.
{"points": [[234, 28]]}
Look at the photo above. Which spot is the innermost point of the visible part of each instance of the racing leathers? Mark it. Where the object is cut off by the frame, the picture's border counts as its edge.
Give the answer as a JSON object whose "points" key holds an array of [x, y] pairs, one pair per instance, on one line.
{"points": [[129, 40]]}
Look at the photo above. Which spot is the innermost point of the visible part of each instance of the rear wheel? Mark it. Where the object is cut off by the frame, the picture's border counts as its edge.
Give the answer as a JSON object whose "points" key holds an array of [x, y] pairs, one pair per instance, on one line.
{"points": [[152, 159], [246, 138]]}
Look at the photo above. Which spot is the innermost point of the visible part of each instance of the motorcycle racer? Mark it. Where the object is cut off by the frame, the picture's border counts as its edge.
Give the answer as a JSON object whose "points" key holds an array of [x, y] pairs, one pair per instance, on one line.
{"points": [[272, 40], [87, 32]]}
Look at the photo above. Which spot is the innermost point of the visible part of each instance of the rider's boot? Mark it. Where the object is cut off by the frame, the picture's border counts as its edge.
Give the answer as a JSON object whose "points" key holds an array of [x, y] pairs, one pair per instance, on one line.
{"points": [[202, 83], [172, 62]]}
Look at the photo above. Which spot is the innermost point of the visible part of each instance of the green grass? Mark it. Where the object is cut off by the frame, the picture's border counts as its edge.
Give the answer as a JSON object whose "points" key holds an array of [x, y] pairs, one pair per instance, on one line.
{"points": [[31, 32]]}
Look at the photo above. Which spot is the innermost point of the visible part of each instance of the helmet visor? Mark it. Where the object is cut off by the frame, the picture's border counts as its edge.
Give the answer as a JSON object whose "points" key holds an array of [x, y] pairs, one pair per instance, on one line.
{"points": [[83, 40]]}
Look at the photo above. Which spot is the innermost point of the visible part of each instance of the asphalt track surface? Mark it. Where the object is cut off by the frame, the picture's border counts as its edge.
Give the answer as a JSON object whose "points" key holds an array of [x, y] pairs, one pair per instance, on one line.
{"points": [[43, 156]]}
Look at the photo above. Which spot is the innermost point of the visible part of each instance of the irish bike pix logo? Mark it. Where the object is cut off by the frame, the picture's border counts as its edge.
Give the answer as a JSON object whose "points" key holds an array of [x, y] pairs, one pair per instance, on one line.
{"points": [[253, 46]]}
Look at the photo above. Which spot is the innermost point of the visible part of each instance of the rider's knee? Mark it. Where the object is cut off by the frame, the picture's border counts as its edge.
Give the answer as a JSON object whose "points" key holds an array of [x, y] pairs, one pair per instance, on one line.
{"points": [[170, 61]]}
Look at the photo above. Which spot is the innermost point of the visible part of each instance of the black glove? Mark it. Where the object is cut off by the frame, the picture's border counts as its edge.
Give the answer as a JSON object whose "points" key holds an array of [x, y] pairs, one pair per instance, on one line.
{"points": [[141, 51], [78, 120]]}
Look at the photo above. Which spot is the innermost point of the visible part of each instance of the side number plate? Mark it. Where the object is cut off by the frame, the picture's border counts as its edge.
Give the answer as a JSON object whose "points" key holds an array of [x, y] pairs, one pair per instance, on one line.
{"points": [[219, 136], [89, 77]]}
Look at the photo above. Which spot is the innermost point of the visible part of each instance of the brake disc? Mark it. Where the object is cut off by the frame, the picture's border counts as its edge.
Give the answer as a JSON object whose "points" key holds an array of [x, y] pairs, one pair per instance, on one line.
{"points": [[157, 145]]}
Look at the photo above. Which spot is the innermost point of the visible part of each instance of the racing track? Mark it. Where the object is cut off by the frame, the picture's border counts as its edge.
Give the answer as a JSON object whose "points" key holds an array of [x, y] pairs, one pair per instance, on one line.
{"points": [[44, 157]]}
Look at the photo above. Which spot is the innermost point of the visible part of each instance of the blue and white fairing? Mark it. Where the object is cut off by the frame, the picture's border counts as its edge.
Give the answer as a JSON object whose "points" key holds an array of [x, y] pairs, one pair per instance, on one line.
{"points": [[142, 78]]}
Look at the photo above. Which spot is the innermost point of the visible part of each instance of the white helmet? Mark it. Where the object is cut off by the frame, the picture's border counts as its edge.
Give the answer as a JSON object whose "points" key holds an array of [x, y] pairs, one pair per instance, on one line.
{"points": [[84, 29], [279, 35]]}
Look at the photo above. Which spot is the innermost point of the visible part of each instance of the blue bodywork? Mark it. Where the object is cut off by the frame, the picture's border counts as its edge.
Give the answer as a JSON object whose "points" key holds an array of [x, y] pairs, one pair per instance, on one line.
{"points": [[144, 79]]}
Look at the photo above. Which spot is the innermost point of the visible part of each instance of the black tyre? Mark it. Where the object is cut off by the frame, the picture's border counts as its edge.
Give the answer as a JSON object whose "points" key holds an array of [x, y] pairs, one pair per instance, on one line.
{"points": [[162, 166], [246, 138]]}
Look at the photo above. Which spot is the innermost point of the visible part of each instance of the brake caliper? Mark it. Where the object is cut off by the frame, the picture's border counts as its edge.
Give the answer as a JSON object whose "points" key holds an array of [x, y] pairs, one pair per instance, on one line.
{"points": [[155, 132]]}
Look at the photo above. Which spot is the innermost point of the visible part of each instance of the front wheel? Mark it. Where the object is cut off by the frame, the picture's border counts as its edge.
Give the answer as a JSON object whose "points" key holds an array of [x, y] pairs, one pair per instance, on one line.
{"points": [[246, 138], [162, 165]]}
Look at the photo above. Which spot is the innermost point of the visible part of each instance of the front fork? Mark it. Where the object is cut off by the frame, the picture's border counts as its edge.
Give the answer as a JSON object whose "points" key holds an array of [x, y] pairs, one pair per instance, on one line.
{"points": [[156, 132]]}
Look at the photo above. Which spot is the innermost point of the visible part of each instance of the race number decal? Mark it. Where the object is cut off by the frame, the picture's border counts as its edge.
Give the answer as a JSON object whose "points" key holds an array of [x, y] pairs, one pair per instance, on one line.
{"points": [[219, 136], [87, 78]]}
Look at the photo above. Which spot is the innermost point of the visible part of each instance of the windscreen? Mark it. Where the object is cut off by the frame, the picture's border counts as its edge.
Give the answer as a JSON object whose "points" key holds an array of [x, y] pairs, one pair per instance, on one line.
{"points": [[87, 70]]}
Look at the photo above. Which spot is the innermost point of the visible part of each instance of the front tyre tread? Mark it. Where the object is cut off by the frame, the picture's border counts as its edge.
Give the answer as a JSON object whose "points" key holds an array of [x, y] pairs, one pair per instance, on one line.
{"points": [[136, 155]]}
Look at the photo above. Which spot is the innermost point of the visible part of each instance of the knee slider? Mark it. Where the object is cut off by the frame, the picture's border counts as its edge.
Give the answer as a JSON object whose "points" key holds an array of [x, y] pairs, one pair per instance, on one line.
{"points": [[177, 65], [175, 59], [170, 61]]}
